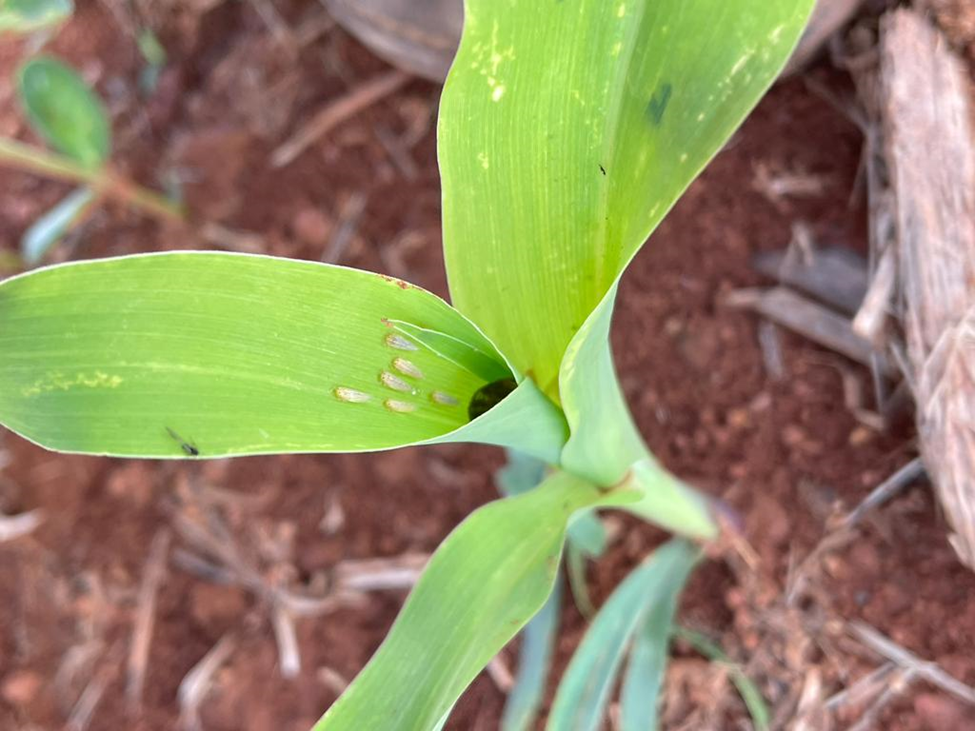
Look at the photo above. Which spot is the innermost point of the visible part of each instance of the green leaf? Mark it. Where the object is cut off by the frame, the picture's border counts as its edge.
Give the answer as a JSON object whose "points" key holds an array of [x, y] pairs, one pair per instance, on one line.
{"points": [[534, 664], [520, 474], [27, 16], [640, 694], [484, 583], [64, 111], [47, 230], [668, 502], [604, 441], [749, 692], [584, 691], [215, 354], [588, 534], [567, 131], [575, 570], [605, 446]]}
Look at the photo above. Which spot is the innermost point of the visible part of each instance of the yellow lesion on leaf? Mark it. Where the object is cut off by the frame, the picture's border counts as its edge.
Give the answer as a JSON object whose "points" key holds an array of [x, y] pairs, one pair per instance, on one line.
{"points": [[58, 381]]}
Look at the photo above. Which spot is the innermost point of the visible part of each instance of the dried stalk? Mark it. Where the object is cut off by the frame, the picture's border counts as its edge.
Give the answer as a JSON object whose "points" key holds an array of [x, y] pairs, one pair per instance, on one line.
{"points": [[929, 144]]}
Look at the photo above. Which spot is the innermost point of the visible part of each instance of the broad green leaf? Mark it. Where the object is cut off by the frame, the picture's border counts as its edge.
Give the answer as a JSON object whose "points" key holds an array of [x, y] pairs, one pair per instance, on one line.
{"points": [[215, 354], [64, 111], [27, 16], [584, 691], [568, 129], [751, 696], [640, 693], [47, 230], [487, 579], [534, 664]]}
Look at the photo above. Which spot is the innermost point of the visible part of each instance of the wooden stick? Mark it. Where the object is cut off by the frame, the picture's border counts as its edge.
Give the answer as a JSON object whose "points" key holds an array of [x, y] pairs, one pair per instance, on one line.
{"points": [[813, 321], [145, 619], [337, 112], [929, 144]]}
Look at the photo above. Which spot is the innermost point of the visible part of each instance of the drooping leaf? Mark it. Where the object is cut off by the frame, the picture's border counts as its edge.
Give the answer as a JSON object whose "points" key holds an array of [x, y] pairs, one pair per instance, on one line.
{"points": [[640, 693], [47, 230], [64, 111], [484, 583], [534, 664], [216, 354], [581, 699], [27, 16], [568, 129]]}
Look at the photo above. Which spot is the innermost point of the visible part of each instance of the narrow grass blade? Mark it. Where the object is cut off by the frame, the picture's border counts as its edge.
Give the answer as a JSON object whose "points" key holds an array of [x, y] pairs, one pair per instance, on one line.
{"points": [[587, 540], [640, 694], [64, 111], [584, 691], [215, 354], [534, 664], [575, 570], [751, 696], [484, 583], [51, 227], [27, 16]]}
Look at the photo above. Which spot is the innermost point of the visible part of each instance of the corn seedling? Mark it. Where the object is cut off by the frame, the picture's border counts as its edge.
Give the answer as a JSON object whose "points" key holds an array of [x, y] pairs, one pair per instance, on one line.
{"points": [[566, 133], [65, 113]]}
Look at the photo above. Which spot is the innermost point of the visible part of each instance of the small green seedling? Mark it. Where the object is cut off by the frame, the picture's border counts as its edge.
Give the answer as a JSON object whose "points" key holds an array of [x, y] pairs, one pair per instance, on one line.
{"points": [[70, 118], [567, 130], [154, 54]]}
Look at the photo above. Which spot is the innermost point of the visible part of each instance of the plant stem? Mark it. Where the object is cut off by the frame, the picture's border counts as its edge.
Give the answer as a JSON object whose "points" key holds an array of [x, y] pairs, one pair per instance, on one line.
{"points": [[103, 180]]}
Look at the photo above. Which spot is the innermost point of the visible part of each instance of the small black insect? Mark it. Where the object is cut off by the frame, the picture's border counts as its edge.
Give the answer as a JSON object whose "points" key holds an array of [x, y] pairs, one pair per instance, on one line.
{"points": [[489, 396], [602, 169], [188, 447]]}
